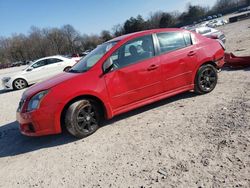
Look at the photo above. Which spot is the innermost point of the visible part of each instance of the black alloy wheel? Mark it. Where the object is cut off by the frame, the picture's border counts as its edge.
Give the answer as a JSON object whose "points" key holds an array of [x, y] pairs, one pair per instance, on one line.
{"points": [[206, 79]]}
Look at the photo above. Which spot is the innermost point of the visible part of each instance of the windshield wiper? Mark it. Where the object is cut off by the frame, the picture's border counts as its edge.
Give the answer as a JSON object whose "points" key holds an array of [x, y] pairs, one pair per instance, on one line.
{"points": [[74, 71]]}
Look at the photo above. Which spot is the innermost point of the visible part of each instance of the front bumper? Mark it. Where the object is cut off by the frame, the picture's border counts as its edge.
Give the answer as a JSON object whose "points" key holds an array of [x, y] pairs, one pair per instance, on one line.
{"points": [[39, 122], [7, 85]]}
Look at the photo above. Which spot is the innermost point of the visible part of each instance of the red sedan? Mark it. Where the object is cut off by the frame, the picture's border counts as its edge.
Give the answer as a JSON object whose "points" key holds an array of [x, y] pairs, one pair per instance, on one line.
{"points": [[120, 75]]}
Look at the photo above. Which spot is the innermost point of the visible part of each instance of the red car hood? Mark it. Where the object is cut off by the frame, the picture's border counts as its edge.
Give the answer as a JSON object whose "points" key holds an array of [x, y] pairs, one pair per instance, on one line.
{"points": [[49, 83]]}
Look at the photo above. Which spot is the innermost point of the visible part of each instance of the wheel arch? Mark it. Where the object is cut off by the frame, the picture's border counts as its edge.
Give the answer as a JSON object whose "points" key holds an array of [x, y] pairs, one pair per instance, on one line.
{"points": [[14, 79], [104, 109], [67, 67], [209, 62], [196, 72]]}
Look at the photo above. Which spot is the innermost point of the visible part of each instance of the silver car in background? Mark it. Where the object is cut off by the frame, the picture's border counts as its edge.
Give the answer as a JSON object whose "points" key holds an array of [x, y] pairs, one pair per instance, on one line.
{"points": [[210, 33]]}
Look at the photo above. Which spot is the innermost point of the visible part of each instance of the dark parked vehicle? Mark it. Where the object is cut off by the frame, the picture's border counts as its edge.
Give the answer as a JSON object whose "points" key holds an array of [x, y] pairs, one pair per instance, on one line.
{"points": [[209, 18], [26, 62], [16, 64], [244, 9], [4, 65]]}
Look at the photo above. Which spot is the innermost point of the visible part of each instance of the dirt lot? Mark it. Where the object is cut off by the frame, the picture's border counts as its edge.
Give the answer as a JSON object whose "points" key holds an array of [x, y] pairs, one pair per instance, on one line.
{"points": [[184, 141]]}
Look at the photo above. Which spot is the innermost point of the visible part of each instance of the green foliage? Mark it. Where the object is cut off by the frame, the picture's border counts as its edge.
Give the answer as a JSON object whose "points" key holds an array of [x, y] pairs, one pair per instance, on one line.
{"points": [[166, 20], [193, 13], [134, 24], [106, 35]]}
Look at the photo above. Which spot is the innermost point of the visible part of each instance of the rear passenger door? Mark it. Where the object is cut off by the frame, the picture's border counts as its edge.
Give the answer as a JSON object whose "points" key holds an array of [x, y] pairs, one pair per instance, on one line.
{"points": [[178, 59]]}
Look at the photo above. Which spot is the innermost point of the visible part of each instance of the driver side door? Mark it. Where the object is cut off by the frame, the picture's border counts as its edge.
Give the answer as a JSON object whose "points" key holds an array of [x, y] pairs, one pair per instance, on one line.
{"points": [[136, 74], [36, 72]]}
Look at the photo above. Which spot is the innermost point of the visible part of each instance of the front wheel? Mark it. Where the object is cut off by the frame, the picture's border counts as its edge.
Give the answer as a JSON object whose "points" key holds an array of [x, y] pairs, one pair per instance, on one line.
{"points": [[82, 118], [206, 79], [19, 83]]}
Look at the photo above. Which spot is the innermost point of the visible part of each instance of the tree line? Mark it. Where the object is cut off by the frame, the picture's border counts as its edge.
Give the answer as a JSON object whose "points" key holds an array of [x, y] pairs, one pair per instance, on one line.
{"points": [[66, 40]]}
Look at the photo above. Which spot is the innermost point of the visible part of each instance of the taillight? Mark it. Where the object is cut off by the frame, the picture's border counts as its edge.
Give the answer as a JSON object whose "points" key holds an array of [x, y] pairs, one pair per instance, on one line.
{"points": [[222, 44], [214, 36]]}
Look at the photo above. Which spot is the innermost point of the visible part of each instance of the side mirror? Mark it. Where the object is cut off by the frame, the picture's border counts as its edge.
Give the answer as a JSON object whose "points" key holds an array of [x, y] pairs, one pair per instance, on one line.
{"points": [[29, 69], [108, 65]]}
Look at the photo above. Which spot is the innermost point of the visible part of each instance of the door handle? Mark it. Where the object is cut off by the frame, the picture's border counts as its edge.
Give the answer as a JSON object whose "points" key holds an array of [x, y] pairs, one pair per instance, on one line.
{"points": [[152, 67], [191, 53]]}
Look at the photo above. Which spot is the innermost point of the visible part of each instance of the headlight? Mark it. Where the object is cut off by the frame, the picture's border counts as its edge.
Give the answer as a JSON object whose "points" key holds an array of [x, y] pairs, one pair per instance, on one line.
{"points": [[6, 79], [36, 100]]}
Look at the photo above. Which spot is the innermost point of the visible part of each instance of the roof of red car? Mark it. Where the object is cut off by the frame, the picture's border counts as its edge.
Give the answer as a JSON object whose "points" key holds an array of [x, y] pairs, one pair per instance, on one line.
{"points": [[145, 32]]}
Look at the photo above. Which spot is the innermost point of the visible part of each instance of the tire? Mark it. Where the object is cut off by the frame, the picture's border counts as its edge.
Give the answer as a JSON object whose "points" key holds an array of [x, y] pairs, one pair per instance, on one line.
{"points": [[206, 79], [66, 69], [19, 83], [82, 118]]}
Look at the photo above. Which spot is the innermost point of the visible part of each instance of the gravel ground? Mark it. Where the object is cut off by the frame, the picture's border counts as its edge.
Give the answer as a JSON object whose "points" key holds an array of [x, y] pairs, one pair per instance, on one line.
{"points": [[183, 141]]}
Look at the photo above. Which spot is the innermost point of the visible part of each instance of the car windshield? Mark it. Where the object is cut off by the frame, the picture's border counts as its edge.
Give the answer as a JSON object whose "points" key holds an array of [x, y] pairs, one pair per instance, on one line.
{"points": [[92, 58]]}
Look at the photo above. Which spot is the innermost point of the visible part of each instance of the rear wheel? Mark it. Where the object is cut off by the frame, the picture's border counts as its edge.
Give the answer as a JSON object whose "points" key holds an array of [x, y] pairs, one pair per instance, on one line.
{"points": [[206, 79], [19, 83], [82, 118]]}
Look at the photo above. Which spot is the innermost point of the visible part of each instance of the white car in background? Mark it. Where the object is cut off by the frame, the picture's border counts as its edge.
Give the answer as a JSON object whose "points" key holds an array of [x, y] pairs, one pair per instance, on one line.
{"points": [[216, 23], [37, 71]]}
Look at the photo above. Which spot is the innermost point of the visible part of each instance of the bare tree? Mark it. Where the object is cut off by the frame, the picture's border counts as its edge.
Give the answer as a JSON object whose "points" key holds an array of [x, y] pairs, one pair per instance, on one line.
{"points": [[106, 35], [118, 30], [71, 35], [154, 19]]}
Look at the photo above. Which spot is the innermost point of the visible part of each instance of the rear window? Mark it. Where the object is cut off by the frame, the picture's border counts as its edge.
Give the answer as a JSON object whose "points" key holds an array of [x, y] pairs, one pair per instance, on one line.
{"points": [[171, 41], [187, 38], [53, 60]]}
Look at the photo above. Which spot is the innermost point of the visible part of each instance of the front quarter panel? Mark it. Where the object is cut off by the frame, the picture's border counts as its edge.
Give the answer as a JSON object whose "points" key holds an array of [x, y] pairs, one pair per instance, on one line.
{"points": [[85, 84]]}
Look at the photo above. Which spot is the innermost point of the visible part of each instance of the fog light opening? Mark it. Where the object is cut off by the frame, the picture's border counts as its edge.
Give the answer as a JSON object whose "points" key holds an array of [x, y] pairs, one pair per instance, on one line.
{"points": [[31, 128]]}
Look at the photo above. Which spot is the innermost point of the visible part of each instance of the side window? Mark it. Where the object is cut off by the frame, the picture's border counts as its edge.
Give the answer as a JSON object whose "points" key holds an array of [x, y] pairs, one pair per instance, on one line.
{"points": [[133, 51], [53, 60], [39, 64], [187, 38], [170, 41]]}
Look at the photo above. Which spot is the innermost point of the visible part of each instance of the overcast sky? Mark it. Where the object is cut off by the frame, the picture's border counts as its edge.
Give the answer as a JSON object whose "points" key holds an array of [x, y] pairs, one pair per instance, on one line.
{"points": [[90, 17]]}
